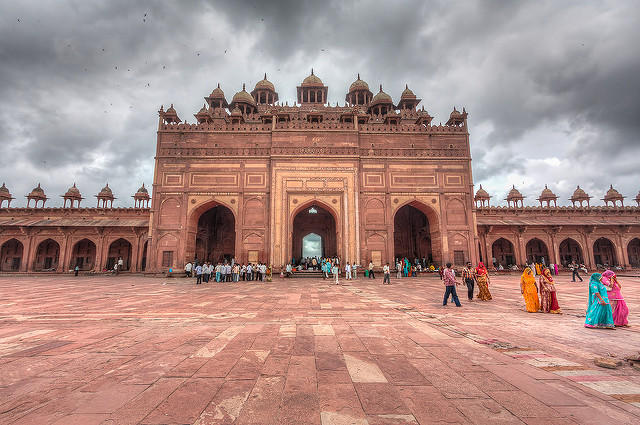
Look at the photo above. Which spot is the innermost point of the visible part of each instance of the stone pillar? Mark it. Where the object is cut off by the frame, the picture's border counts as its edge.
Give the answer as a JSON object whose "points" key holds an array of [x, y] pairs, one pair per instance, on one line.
{"points": [[135, 251], [64, 253], [26, 254], [521, 251], [589, 258]]}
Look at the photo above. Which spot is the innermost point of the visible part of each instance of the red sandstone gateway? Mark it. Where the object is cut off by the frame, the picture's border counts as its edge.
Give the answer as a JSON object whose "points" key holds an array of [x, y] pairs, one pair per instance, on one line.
{"points": [[371, 180]]}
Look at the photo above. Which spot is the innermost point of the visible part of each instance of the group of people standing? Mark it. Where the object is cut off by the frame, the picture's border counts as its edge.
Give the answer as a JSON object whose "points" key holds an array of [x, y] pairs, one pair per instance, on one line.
{"points": [[606, 307], [227, 272]]}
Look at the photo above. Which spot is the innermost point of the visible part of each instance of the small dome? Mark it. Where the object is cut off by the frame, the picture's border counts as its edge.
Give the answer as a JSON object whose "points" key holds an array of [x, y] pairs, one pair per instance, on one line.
{"points": [[455, 113], [72, 192], [203, 110], [4, 190], [217, 93], [236, 112], [106, 191], [381, 97], [407, 93], [547, 194], [482, 194], [265, 84], [579, 194], [612, 194], [37, 192], [243, 97], [358, 85], [143, 189], [514, 194], [312, 80], [171, 110]]}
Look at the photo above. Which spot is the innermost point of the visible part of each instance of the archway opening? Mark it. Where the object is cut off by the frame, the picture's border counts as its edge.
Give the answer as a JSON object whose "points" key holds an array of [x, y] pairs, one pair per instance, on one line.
{"points": [[312, 246], [502, 253], [11, 255], [47, 256], [318, 221], [83, 255], [412, 235], [119, 249], [604, 252], [633, 251], [216, 235], [143, 261], [570, 251], [537, 251]]}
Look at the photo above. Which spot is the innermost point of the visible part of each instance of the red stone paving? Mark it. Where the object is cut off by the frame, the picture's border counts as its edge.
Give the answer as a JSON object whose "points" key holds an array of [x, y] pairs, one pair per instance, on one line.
{"points": [[139, 350]]}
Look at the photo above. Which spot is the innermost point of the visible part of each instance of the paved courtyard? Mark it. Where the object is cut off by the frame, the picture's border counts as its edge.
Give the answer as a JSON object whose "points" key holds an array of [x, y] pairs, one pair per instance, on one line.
{"points": [[133, 349]]}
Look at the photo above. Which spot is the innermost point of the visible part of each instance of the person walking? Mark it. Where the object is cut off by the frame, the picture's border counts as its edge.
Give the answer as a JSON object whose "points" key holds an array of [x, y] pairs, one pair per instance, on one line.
{"points": [[120, 264], [347, 271], [387, 274], [354, 271], [398, 269], [575, 272], [198, 274], [335, 270], [449, 279], [76, 270], [371, 274], [469, 280]]}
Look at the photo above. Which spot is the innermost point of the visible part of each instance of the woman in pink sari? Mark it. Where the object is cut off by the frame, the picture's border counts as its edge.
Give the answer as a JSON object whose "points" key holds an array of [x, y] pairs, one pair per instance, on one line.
{"points": [[620, 309]]}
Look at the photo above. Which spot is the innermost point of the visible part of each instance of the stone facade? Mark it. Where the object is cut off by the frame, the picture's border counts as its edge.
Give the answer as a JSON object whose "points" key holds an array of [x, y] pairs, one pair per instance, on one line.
{"points": [[372, 180]]}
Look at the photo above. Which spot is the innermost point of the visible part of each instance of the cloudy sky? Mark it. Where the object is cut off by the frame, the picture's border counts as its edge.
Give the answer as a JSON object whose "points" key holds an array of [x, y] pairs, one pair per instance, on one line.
{"points": [[551, 87]]}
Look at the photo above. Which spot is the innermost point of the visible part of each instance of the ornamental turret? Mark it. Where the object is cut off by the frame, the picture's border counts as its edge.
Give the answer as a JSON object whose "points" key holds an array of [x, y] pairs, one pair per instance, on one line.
{"points": [[5, 195], [312, 91], [73, 196], [106, 196], [515, 198], [244, 102], [264, 92], [614, 197], [482, 197], [579, 196], [457, 118], [216, 99], [548, 196], [381, 103], [141, 198], [408, 100], [359, 93], [37, 194], [170, 116]]}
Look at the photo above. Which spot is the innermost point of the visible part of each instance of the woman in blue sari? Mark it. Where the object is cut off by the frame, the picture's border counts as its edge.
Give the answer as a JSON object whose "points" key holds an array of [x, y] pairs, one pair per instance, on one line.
{"points": [[599, 314]]}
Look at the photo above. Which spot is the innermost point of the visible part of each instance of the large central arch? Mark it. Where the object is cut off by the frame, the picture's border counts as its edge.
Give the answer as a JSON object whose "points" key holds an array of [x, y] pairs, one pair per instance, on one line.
{"points": [[604, 252], [216, 235], [411, 234], [537, 251], [314, 218]]}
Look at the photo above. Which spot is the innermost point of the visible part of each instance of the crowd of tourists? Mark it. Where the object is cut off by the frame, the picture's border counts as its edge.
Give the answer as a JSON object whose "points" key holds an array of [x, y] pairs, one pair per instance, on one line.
{"points": [[227, 271]]}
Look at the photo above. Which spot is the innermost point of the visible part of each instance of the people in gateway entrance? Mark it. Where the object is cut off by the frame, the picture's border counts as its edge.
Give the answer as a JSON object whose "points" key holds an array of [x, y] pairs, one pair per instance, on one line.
{"points": [[371, 273]]}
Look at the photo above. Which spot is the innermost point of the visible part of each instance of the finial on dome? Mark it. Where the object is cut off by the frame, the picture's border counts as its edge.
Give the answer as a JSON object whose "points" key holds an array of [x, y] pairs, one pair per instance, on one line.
{"points": [[265, 75], [218, 85], [406, 86], [311, 71], [358, 75], [380, 87], [243, 87]]}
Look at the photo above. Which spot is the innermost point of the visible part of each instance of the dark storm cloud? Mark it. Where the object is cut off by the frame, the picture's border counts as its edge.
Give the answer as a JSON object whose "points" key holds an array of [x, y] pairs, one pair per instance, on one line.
{"points": [[550, 87]]}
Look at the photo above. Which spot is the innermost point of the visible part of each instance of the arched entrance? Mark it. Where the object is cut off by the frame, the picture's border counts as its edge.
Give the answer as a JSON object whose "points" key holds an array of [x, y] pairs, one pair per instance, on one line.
{"points": [[83, 255], [216, 235], [633, 251], [411, 234], [570, 251], [604, 252], [47, 256], [11, 255], [537, 251], [120, 248], [313, 224], [502, 253]]}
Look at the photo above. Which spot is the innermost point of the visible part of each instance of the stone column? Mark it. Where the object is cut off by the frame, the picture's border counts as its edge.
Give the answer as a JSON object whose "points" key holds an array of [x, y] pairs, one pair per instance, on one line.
{"points": [[25, 266]]}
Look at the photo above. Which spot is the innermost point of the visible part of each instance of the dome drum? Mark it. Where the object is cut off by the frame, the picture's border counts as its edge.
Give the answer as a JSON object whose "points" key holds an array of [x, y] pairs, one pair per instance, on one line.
{"points": [[312, 91], [264, 92]]}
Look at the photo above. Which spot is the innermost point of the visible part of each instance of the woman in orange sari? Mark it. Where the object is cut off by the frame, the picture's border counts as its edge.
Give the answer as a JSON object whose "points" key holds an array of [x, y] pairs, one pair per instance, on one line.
{"points": [[529, 290], [548, 298], [482, 278]]}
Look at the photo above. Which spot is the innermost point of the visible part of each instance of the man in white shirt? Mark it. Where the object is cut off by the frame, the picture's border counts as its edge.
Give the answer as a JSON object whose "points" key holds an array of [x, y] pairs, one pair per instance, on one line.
{"points": [[198, 274], [335, 270], [227, 272], [187, 270], [249, 272], [347, 271], [387, 274]]}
